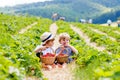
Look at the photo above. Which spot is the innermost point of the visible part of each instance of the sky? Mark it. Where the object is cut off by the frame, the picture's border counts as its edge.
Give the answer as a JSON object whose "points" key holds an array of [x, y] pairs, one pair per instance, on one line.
{"points": [[4, 3]]}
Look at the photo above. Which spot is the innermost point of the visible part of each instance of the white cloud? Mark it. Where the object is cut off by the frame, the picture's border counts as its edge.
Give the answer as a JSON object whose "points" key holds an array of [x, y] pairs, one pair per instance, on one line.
{"points": [[4, 3]]}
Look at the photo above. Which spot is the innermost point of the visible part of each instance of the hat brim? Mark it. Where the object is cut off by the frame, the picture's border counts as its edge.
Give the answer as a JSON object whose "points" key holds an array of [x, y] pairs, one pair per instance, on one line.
{"points": [[52, 37]]}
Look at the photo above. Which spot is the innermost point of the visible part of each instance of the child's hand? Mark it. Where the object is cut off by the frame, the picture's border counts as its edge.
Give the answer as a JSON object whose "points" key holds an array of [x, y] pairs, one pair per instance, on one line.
{"points": [[62, 48], [42, 48]]}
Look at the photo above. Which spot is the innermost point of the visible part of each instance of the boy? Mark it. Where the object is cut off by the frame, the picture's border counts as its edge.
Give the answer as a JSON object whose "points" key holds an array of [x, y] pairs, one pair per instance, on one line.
{"points": [[65, 47]]}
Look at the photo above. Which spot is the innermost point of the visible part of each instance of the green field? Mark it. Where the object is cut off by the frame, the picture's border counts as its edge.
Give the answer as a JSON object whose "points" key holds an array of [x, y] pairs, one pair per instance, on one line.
{"points": [[17, 59]]}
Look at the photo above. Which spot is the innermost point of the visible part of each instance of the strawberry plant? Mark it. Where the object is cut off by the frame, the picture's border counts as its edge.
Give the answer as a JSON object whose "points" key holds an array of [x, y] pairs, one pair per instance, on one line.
{"points": [[110, 31], [100, 39], [91, 63], [16, 51]]}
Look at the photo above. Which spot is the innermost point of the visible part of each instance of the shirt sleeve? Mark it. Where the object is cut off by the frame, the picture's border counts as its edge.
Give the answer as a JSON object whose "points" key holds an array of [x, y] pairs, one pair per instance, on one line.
{"points": [[57, 50], [39, 46]]}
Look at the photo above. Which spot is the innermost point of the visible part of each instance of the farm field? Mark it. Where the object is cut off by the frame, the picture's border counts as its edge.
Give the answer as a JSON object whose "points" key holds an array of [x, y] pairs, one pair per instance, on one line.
{"points": [[98, 48]]}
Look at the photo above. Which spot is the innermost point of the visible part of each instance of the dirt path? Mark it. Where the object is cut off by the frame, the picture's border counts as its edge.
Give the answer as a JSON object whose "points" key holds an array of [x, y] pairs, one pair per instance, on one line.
{"points": [[87, 39], [117, 32], [26, 28], [100, 32], [53, 30], [59, 73]]}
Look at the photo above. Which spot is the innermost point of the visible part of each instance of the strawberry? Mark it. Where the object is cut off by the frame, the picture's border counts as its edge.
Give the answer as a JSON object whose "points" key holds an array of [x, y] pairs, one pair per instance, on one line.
{"points": [[49, 55], [61, 54]]}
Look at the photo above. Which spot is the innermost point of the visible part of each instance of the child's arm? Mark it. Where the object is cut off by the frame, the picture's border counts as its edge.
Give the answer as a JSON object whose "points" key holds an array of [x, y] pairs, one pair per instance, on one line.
{"points": [[60, 50], [73, 49], [39, 48]]}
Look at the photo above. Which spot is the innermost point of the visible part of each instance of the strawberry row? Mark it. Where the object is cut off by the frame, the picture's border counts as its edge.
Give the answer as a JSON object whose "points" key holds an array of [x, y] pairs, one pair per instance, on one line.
{"points": [[12, 24], [108, 30], [17, 57], [100, 39], [91, 64]]}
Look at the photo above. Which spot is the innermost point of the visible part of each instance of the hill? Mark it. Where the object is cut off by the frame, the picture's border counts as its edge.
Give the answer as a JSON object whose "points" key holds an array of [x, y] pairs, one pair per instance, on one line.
{"points": [[72, 9]]}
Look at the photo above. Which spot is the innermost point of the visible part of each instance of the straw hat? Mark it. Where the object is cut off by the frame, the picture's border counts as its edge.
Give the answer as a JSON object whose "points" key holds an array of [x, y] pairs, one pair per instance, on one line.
{"points": [[46, 36]]}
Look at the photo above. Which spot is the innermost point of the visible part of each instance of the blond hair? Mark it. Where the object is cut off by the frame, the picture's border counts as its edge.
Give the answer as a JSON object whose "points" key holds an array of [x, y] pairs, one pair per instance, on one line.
{"points": [[64, 36]]}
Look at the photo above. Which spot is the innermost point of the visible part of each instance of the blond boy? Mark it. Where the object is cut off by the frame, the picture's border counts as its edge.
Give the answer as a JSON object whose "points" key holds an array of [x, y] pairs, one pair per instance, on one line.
{"points": [[65, 47]]}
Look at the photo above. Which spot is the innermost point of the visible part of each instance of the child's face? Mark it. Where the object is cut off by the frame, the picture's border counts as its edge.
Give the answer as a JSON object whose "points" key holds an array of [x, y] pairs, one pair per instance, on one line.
{"points": [[50, 43], [64, 41]]}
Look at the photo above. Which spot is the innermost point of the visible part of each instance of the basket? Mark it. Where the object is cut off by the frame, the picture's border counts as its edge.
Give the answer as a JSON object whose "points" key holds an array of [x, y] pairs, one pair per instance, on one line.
{"points": [[47, 60], [62, 59]]}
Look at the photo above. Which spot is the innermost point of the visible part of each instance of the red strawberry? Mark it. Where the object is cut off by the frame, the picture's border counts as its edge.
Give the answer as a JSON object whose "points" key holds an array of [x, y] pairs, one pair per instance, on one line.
{"points": [[49, 55]]}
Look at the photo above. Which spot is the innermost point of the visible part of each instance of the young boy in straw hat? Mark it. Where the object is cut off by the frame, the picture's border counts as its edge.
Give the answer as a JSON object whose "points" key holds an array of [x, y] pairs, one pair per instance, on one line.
{"points": [[46, 46], [65, 47]]}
